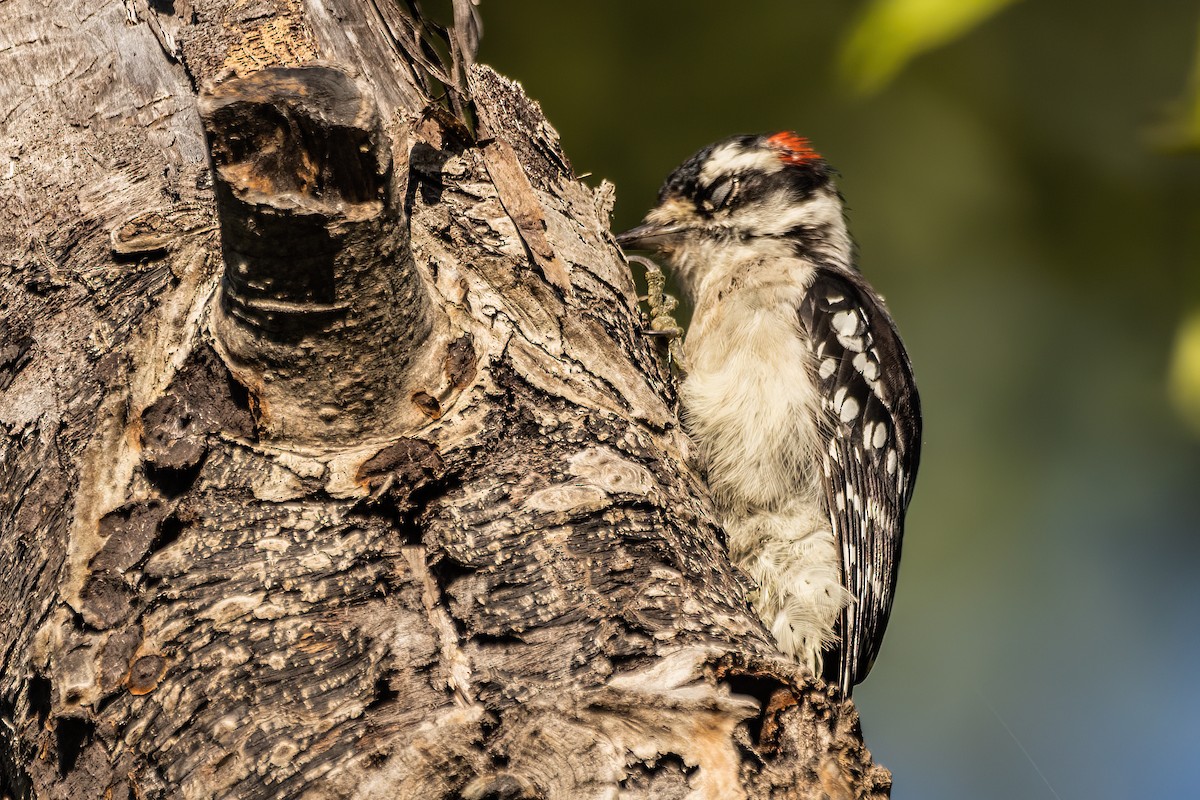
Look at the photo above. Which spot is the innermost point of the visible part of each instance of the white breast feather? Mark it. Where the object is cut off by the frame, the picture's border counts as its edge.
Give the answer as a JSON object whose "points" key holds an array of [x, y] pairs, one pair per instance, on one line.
{"points": [[751, 405]]}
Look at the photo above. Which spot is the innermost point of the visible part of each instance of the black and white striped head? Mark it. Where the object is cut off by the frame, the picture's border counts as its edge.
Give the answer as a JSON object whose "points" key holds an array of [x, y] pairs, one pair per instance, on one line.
{"points": [[744, 198]]}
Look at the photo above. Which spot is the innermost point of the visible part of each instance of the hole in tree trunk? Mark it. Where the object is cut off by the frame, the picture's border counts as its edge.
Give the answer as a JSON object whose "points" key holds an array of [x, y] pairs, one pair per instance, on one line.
{"points": [[72, 734]]}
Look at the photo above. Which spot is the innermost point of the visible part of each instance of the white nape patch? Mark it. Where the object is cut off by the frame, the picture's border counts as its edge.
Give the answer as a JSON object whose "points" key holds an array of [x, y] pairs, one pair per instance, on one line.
{"points": [[734, 158], [779, 213]]}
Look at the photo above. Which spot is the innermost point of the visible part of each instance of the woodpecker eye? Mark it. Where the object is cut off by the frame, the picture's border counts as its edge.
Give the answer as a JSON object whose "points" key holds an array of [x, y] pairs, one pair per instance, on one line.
{"points": [[720, 194]]}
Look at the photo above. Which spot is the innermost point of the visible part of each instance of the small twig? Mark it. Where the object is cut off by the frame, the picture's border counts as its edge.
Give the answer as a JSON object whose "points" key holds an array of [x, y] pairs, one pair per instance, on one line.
{"points": [[443, 55]]}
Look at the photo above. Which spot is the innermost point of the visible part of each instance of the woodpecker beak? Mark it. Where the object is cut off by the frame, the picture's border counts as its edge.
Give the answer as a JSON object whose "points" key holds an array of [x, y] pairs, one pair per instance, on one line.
{"points": [[651, 236]]}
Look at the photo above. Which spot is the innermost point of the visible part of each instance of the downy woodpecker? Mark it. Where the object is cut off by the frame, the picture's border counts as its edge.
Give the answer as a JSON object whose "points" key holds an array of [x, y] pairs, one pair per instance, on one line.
{"points": [[799, 394]]}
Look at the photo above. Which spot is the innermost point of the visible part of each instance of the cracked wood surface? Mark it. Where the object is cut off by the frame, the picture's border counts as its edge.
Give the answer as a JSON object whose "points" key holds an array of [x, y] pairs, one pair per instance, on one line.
{"points": [[488, 572]]}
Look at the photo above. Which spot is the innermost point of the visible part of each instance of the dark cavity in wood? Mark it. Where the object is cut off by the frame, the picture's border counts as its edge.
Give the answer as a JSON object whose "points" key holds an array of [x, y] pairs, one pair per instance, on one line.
{"points": [[321, 311]]}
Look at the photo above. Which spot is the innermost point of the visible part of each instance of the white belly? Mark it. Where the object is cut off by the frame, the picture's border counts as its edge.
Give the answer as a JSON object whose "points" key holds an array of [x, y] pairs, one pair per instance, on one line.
{"points": [[750, 404], [751, 407]]}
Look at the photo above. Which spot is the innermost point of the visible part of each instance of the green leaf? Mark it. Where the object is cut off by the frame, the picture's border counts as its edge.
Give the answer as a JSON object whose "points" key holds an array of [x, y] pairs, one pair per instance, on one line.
{"points": [[1184, 375], [890, 33], [1180, 132]]}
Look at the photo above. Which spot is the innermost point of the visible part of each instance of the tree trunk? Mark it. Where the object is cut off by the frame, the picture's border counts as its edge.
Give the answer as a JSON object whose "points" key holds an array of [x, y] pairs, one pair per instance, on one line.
{"points": [[334, 462]]}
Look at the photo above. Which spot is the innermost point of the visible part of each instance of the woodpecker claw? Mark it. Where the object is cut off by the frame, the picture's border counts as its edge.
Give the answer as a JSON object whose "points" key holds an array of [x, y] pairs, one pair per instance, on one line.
{"points": [[661, 324]]}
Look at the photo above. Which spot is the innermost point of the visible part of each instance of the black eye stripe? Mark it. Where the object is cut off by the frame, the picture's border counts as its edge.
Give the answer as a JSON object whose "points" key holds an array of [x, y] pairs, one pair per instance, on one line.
{"points": [[746, 189], [720, 193]]}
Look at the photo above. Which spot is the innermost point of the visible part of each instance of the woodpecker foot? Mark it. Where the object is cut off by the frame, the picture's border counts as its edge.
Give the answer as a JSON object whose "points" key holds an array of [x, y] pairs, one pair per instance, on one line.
{"points": [[661, 318]]}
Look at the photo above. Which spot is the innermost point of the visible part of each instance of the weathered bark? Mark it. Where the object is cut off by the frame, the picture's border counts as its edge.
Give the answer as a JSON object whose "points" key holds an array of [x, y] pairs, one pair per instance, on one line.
{"points": [[334, 463]]}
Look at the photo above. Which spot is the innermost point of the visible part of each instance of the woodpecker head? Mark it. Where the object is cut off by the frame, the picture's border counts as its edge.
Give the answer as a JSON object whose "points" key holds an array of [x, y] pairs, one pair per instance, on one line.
{"points": [[743, 200]]}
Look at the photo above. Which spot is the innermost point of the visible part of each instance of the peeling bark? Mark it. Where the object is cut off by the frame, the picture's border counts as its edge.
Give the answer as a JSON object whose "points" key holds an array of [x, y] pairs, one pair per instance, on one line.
{"points": [[335, 464]]}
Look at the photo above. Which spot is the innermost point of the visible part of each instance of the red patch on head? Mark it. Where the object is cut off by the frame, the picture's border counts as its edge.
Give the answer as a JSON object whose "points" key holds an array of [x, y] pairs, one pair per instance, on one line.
{"points": [[793, 149]]}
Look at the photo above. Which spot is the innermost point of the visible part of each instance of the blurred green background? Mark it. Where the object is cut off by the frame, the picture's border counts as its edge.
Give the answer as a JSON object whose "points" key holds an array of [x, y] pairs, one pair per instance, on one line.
{"points": [[1025, 188]]}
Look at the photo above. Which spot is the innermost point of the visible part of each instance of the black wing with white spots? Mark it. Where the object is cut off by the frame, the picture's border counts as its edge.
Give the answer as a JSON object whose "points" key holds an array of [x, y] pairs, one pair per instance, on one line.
{"points": [[872, 446]]}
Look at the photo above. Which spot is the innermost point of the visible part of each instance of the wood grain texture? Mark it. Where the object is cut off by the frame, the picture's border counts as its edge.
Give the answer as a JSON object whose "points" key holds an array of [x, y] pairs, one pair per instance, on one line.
{"points": [[498, 578]]}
